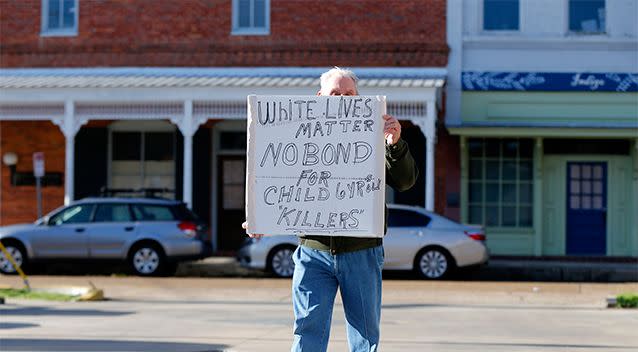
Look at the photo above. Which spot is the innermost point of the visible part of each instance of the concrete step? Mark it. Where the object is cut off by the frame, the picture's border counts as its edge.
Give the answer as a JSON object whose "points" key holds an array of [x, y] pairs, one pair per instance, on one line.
{"points": [[556, 270]]}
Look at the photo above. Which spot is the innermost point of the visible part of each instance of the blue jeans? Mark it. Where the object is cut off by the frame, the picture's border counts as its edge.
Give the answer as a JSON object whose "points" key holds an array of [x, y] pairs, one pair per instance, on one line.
{"points": [[314, 287]]}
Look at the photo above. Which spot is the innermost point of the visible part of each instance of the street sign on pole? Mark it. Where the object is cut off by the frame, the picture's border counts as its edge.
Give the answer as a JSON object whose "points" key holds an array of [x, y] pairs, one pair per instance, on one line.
{"points": [[38, 164], [38, 172]]}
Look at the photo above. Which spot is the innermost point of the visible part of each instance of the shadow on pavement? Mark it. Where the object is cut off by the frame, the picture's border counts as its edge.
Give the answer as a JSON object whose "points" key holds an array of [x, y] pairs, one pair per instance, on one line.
{"points": [[22, 311], [9, 344], [7, 325]]}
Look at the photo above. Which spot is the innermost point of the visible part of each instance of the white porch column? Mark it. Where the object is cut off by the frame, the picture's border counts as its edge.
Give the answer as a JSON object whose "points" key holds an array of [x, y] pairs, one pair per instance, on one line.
{"points": [[69, 127], [188, 131], [188, 125], [69, 169], [428, 128]]}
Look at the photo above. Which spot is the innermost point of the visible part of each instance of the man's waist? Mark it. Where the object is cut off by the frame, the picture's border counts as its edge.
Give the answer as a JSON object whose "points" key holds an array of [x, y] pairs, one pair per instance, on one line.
{"points": [[339, 244]]}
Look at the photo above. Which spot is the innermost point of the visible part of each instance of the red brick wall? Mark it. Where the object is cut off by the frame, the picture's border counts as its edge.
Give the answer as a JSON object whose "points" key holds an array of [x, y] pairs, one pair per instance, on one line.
{"points": [[198, 33], [447, 174], [447, 169], [18, 203]]}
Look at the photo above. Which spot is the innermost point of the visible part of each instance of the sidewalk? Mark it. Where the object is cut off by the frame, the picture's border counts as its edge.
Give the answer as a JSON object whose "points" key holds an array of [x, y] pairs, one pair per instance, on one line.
{"points": [[497, 270]]}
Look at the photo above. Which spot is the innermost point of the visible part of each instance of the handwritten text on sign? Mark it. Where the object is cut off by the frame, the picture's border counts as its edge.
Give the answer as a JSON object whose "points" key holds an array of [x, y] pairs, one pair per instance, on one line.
{"points": [[315, 165]]}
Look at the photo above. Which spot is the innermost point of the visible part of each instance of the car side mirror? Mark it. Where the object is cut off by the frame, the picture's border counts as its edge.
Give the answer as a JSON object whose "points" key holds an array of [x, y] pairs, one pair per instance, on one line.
{"points": [[42, 221]]}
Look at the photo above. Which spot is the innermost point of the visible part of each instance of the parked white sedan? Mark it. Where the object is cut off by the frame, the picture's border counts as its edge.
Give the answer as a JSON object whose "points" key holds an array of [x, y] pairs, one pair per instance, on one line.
{"points": [[418, 240]]}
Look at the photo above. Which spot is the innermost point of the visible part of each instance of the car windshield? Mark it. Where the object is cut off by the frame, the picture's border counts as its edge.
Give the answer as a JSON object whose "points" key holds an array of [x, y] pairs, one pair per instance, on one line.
{"points": [[78, 213]]}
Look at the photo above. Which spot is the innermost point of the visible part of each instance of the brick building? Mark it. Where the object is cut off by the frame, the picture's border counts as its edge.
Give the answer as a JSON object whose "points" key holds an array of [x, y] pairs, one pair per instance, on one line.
{"points": [[152, 93]]}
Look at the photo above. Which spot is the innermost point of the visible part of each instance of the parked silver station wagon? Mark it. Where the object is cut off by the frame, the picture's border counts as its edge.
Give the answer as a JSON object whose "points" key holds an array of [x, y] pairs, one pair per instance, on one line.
{"points": [[151, 235], [418, 240]]}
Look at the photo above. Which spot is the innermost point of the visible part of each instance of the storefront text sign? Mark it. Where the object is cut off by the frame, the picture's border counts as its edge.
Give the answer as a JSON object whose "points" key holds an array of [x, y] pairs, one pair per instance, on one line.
{"points": [[550, 81], [316, 165]]}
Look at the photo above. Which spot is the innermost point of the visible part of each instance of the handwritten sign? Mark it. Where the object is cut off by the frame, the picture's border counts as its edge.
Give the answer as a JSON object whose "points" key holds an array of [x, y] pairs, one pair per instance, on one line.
{"points": [[316, 165]]}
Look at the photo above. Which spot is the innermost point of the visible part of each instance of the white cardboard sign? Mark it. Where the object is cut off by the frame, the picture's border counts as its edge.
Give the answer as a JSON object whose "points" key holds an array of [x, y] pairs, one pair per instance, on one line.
{"points": [[316, 165]]}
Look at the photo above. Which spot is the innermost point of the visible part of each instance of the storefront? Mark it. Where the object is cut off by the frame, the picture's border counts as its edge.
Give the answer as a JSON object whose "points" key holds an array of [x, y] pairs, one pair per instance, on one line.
{"points": [[549, 162], [181, 129]]}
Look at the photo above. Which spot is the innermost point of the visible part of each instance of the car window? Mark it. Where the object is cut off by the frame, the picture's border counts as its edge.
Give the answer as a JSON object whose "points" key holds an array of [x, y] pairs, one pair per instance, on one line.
{"points": [[72, 215], [112, 213], [407, 218], [183, 213], [152, 212]]}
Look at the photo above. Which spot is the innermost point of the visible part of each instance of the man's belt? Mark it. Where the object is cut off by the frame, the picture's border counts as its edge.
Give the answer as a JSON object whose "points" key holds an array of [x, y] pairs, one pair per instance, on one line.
{"points": [[339, 244]]}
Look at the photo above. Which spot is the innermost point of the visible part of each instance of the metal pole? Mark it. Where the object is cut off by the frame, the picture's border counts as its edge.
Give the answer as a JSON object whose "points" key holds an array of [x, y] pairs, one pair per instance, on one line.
{"points": [[38, 191], [9, 257]]}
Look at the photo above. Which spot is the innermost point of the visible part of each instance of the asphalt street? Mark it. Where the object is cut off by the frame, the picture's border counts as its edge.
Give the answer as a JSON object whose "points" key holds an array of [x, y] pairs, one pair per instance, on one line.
{"points": [[254, 314]]}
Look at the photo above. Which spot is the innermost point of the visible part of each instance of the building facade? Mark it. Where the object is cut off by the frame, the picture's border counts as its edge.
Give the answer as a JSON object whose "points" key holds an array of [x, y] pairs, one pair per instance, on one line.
{"points": [[543, 96], [153, 94]]}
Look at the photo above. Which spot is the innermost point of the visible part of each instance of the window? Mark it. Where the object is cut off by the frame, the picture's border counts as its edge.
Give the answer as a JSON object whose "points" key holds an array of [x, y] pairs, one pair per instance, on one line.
{"points": [[500, 15], [112, 213], [586, 186], [148, 212], [406, 218], [59, 17], [72, 215], [233, 173], [251, 17], [143, 160], [500, 190], [587, 16]]}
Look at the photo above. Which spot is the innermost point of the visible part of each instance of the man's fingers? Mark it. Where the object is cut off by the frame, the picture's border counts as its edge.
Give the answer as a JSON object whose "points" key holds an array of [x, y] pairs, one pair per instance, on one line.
{"points": [[244, 226]]}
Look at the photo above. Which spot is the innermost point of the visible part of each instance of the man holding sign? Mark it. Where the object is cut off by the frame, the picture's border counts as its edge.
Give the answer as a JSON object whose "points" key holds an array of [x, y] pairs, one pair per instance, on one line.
{"points": [[334, 203]]}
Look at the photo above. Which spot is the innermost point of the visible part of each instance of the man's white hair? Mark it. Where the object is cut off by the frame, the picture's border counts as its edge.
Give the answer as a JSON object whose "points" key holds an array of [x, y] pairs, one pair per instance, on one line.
{"points": [[338, 72]]}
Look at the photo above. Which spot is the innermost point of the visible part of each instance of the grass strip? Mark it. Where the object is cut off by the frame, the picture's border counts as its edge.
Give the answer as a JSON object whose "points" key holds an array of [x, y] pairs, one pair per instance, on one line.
{"points": [[627, 300], [41, 295]]}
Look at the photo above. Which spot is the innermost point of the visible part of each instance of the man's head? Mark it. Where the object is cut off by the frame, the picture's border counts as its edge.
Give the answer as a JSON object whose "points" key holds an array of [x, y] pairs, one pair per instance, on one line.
{"points": [[338, 81]]}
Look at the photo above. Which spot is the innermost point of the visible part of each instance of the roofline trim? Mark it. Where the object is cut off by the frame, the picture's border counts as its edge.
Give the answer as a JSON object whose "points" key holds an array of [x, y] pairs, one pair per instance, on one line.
{"points": [[306, 72]]}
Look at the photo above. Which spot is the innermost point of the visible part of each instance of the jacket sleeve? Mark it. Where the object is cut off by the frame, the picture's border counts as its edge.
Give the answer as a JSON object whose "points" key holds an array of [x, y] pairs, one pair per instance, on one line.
{"points": [[400, 169]]}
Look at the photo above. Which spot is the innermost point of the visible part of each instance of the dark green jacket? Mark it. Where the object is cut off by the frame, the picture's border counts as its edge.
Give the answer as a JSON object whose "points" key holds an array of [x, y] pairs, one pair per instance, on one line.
{"points": [[400, 174]]}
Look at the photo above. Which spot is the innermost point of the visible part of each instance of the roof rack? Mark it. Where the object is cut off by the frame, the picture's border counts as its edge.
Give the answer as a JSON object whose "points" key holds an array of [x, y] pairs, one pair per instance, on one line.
{"points": [[139, 192]]}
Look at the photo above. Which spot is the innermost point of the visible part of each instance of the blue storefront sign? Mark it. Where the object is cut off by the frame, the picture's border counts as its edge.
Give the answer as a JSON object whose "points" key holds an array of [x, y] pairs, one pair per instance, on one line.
{"points": [[549, 81]]}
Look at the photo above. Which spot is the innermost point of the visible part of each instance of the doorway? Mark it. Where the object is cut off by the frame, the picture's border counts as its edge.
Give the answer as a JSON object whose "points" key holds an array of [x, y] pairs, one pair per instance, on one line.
{"points": [[228, 186], [586, 215], [231, 202]]}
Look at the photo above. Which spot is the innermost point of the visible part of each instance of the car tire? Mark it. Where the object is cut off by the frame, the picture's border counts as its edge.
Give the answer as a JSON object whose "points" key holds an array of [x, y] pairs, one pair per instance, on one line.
{"points": [[280, 261], [19, 254], [148, 259], [433, 263]]}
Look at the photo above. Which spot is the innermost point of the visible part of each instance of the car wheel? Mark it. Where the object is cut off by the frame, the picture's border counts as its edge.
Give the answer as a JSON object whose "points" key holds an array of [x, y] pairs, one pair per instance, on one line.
{"points": [[19, 256], [433, 263], [280, 261], [148, 259]]}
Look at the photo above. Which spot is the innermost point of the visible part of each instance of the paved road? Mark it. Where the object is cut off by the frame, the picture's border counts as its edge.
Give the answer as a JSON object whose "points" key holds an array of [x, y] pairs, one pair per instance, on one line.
{"points": [[254, 314]]}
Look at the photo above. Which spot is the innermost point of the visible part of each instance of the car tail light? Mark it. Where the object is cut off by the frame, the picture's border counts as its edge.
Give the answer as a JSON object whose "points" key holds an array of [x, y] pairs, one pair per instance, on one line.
{"points": [[478, 236], [188, 228]]}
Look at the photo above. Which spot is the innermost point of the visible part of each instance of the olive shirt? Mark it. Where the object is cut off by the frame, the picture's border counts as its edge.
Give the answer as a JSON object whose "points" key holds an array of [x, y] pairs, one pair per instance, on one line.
{"points": [[400, 174]]}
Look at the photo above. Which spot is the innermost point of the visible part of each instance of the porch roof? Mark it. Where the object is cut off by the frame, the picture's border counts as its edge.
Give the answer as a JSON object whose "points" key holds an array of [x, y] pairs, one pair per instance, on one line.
{"points": [[147, 77]]}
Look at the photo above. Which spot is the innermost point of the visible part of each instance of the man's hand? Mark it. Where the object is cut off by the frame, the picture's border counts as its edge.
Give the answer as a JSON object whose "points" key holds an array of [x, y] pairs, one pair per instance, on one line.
{"points": [[391, 130], [251, 235]]}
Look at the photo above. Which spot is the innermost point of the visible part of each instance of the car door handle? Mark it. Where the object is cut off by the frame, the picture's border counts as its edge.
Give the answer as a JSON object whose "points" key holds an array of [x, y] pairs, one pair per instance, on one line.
{"points": [[129, 228], [79, 229]]}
